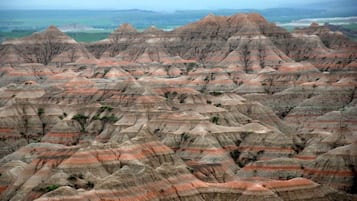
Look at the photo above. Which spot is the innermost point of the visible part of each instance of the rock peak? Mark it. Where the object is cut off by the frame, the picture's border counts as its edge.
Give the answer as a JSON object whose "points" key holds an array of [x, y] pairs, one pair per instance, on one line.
{"points": [[126, 28], [252, 17], [152, 29], [53, 28], [51, 32], [212, 18], [314, 24], [256, 17]]}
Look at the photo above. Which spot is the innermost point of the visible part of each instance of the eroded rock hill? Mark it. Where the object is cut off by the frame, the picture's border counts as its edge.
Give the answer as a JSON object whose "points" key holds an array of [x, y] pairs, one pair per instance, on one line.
{"points": [[226, 108]]}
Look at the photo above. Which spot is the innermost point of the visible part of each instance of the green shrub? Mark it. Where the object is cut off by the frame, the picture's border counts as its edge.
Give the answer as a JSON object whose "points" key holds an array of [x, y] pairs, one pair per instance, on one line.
{"points": [[218, 105], [216, 93], [109, 119], [106, 71], [47, 188], [82, 119], [215, 119], [52, 187], [79, 117], [40, 111], [184, 137], [96, 117], [72, 178], [90, 185], [104, 108]]}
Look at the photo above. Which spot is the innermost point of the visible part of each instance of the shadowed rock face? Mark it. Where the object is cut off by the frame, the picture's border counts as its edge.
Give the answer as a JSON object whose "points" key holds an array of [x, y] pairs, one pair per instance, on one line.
{"points": [[226, 108]]}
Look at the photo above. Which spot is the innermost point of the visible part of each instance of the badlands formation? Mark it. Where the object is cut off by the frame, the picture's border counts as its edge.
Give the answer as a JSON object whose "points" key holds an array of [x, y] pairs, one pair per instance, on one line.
{"points": [[226, 108]]}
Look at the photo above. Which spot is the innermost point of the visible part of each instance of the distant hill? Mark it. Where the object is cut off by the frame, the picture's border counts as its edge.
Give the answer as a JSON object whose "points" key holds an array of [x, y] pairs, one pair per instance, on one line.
{"points": [[348, 32]]}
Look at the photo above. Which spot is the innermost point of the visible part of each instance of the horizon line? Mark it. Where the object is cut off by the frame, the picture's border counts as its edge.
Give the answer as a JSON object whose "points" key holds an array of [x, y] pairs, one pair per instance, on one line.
{"points": [[149, 10]]}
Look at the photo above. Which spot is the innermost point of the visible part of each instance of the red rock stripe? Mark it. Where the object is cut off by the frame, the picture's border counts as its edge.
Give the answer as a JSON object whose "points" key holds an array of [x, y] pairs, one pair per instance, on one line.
{"points": [[288, 184], [62, 135], [3, 188], [271, 168], [108, 155], [341, 173], [5, 130], [306, 157], [184, 187], [196, 150], [272, 149]]}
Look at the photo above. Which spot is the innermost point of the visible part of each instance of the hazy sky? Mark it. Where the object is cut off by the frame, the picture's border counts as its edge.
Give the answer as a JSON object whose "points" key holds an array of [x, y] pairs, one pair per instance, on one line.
{"points": [[162, 5]]}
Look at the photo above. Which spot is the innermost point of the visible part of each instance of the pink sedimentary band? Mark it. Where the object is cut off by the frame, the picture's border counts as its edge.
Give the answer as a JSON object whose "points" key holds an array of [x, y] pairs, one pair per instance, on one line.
{"points": [[114, 154], [324, 172]]}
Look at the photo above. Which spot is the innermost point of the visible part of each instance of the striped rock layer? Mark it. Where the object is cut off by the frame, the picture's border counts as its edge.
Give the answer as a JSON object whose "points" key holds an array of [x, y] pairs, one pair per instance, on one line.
{"points": [[226, 108]]}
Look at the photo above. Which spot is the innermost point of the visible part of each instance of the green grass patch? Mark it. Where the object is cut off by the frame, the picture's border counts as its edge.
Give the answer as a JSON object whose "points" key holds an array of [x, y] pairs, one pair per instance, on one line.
{"points": [[47, 188], [78, 36], [15, 34], [88, 37]]}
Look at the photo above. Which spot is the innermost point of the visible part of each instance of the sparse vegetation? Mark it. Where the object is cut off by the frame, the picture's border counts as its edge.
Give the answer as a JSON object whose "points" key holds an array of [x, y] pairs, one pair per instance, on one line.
{"points": [[74, 177], [268, 85], [40, 111], [114, 44], [245, 54], [184, 137], [190, 169], [81, 119], [235, 154], [261, 55], [96, 117], [109, 119], [216, 93], [64, 115], [215, 119], [182, 98], [106, 71], [105, 108], [190, 67], [286, 112], [89, 185], [218, 105], [47, 188], [42, 52]]}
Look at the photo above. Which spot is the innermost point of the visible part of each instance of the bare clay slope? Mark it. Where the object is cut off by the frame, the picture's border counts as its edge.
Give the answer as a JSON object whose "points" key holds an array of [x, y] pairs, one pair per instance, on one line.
{"points": [[226, 108]]}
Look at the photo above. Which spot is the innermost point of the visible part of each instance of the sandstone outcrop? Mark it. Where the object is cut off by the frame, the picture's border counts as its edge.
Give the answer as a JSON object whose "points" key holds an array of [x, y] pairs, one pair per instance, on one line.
{"points": [[226, 108]]}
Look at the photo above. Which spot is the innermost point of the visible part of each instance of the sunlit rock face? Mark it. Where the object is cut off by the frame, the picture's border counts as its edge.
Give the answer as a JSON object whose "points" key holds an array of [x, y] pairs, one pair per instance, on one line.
{"points": [[226, 108]]}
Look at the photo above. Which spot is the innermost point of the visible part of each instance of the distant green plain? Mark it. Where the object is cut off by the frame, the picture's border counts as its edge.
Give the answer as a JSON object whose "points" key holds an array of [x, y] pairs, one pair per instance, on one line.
{"points": [[97, 36], [78, 36]]}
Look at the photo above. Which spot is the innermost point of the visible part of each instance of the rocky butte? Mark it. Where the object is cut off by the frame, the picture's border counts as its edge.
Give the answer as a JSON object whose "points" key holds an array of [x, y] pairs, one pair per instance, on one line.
{"points": [[226, 108]]}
